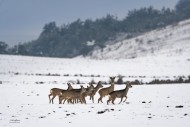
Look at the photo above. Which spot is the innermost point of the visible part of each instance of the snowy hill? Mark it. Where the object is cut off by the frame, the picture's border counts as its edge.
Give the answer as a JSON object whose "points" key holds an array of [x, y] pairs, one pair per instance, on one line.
{"points": [[169, 41]]}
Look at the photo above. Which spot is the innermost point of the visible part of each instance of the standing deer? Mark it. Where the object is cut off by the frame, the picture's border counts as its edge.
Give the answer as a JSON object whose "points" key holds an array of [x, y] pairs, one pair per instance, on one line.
{"points": [[99, 85], [71, 95], [119, 94], [105, 91], [57, 92], [87, 92]]}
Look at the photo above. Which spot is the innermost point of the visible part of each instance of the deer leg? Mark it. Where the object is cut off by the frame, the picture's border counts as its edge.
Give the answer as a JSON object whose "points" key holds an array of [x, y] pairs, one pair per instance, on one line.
{"points": [[113, 99], [100, 99], [84, 100], [125, 98], [60, 99], [121, 100], [65, 100], [93, 99], [49, 98], [71, 101], [108, 100], [81, 100], [53, 98], [76, 101]]}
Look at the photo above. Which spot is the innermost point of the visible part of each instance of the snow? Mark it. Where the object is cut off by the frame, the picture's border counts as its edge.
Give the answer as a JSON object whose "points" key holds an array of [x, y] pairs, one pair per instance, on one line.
{"points": [[24, 100], [90, 43]]}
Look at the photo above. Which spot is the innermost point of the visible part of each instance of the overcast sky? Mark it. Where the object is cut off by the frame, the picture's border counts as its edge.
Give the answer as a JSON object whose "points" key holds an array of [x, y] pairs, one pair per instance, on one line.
{"points": [[23, 20]]}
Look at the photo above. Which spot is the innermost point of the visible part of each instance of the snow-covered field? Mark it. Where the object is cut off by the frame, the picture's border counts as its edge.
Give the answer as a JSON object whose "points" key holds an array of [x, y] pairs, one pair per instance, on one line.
{"points": [[25, 83]]}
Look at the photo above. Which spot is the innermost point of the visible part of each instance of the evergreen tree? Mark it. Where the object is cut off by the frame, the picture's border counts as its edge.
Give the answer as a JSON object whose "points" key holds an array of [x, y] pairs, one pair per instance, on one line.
{"points": [[3, 47], [183, 9]]}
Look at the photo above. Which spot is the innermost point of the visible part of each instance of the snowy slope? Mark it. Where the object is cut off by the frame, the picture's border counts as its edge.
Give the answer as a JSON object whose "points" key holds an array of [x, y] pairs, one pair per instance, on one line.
{"points": [[169, 41], [25, 103]]}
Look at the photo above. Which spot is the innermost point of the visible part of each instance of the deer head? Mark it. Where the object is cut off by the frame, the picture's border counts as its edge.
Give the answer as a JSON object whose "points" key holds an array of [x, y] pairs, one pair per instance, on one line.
{"points": [[69, 86], [112, 79], [128, 85]]}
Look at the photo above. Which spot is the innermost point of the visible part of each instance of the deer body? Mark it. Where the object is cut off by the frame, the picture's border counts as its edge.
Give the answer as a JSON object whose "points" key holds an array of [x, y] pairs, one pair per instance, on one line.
{"points": [[87, 92], [57, 92], [105, 91], [119, 94]]}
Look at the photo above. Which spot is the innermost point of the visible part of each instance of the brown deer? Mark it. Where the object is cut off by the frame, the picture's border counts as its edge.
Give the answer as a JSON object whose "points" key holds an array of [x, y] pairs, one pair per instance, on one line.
{"points": [[57, 92], [73, 94], [92, 94], [87, 92], [119, 94], [105, 91]]}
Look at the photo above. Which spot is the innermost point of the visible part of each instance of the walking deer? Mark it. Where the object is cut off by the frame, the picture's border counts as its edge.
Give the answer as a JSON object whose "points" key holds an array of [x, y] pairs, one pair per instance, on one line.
{"points": [[57, 92], [119, 94], [105, 91]]}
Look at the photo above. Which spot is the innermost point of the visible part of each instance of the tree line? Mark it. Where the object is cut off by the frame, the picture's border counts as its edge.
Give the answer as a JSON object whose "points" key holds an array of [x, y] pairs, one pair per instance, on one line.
{"points": [[81, 37]]}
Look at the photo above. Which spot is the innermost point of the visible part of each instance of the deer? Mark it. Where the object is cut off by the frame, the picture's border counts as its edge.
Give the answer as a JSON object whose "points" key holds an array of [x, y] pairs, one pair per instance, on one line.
{"points": [[105, 91], [87, 92], [92, 94], [57, 92], [119, 94], [73, 94]]}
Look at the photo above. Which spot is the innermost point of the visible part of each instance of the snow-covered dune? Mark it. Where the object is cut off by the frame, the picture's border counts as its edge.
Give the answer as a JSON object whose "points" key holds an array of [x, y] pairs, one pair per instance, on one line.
{"points": [[169, 41]]}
